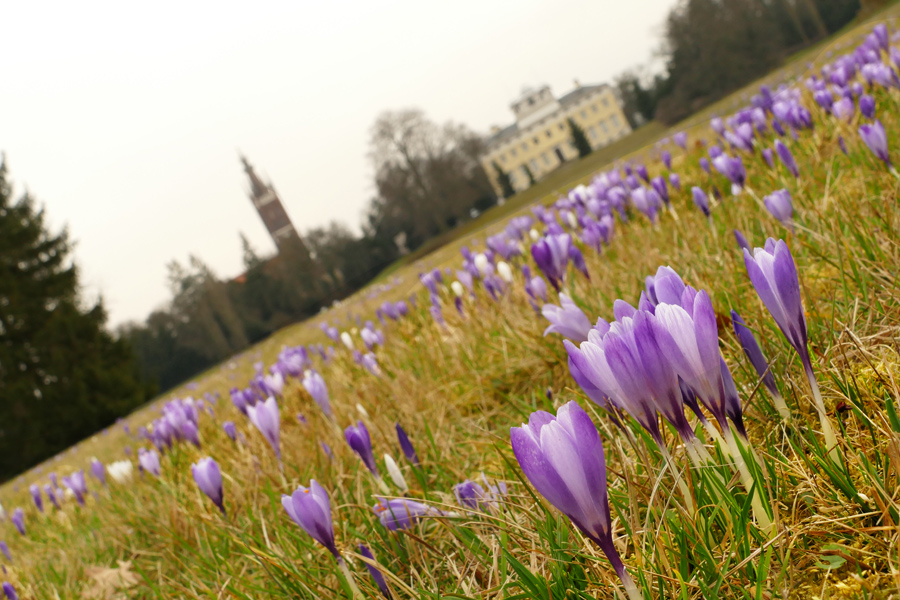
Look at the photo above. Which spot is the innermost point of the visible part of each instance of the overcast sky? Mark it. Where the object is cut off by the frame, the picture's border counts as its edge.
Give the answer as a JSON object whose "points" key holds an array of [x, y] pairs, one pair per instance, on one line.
{"points": [[125, 118]]}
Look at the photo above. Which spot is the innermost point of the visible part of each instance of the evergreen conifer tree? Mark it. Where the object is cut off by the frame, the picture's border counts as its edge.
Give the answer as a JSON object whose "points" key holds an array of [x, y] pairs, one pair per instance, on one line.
{"points": [[63, 377], [504, 181], [579, 139]]}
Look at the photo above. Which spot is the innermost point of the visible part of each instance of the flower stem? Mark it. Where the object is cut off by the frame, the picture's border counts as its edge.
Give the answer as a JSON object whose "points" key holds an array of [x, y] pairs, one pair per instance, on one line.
{"points": [[759, 511], [685, 492], [827, 430], [345, 570], [383, 486]]}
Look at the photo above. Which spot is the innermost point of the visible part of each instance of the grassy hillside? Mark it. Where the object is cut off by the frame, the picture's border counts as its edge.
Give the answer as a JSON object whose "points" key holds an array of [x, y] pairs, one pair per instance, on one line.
{"points": [[799, 519]]}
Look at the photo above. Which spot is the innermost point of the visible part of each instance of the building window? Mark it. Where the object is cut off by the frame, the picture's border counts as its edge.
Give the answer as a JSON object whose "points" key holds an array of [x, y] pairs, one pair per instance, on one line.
{"points": [[584, 114], [606, 102], [513, 152], [592, 132], [534, 166], [546, 158], [615, 120], [604, 127], [549, 133]]}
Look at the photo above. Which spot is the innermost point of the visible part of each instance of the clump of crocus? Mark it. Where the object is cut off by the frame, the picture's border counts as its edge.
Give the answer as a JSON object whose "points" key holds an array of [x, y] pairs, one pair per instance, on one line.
{"points": [[567, 320], [562, 457], [774, 275], [209, 479], [758, 360], [9, 591], [787, 158], [780, 206], [52, 495], [701, 200], [551, 254], [267, 419], [406, 446], [230, 430], [77, 485], [149, 461]]}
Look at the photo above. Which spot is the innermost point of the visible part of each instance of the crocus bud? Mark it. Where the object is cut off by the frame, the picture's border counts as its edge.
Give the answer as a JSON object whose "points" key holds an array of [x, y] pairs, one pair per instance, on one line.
{"points": [[377, 577], [230, 429], [742, 240], [784, 153], [700, 199], [209, 480], [358, 439], [406, 446], [534, 235], [18, 519], [458, 289], [537, 288], [98, 471], [401, 513], [780, 205], [876, 139], [482, 264], [562, 457], [769, 156], [347, 340], [675, 181], [310, 508], [267, 419], [36, 496], [5, 550], [9, 591], [704, 164], [394, 471], [315, 385], [190, 432], [867, 106], [120, 470], [149, 461], [77, 485], [504, 271]]}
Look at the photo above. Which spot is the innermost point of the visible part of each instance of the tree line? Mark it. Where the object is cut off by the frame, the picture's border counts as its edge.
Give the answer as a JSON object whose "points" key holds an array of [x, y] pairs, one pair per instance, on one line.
{"points": [[711, 48]]}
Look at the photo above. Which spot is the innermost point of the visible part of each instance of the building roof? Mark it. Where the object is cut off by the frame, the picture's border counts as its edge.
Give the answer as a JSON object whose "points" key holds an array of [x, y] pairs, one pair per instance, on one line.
{"points": [[510, 131]]}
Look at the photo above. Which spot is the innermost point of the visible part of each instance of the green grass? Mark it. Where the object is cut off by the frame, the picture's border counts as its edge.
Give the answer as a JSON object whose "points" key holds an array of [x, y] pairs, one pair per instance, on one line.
{"points": [[458, 389]]}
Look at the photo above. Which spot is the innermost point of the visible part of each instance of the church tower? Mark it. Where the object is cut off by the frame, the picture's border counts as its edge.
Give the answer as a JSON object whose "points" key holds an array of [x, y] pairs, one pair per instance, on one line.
{"points": [[270, 210]]}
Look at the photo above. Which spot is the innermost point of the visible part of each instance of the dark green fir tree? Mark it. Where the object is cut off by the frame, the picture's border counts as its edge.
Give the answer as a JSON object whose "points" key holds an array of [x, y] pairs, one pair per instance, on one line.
{"points": [[579, 139], [504, 181], [63, 376]]}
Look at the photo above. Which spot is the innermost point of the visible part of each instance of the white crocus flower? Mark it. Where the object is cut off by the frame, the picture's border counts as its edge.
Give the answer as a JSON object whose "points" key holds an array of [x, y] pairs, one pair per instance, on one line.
{"points": [[347, 340], [534, 235], [458, 289], [504, 271], [394, 472], [120, 470]]}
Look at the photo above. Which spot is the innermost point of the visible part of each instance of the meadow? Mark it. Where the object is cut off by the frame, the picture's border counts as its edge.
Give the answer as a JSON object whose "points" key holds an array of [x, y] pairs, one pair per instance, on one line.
{"points": [[780, 480]]}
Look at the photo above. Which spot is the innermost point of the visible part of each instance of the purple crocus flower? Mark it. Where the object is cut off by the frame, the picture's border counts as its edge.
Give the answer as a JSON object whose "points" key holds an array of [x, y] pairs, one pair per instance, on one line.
{"points": [[666, 157], [310, 508], [5, 550], [774, 276], [401, 513], [267, 419], [274, 383], [230, 430], [551, 254], [190, 432], [717, 125], [758, 360], [562, 457], [867, 106], [659, 186], [787, 159], [209, 479], [567, 320], [98, 471], [76, 483], [780, 205], [577, 259], [406, 446], [641, 170], [680, 139], [315, 386], [18, 519], [358, 439], [149, 461], [701, 200], [733, 169], [468, 494], [36, 496], [51, 495], [704, 164], [675, 181], [377, 577], [843, 109], [9, 591], [876, 139], [537, 288], [742, 240], [769, 156], [371, 364]]}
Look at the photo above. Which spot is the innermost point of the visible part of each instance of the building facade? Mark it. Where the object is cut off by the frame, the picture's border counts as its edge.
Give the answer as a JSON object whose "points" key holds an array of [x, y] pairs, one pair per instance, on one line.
{"points": [[540, 140]]}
